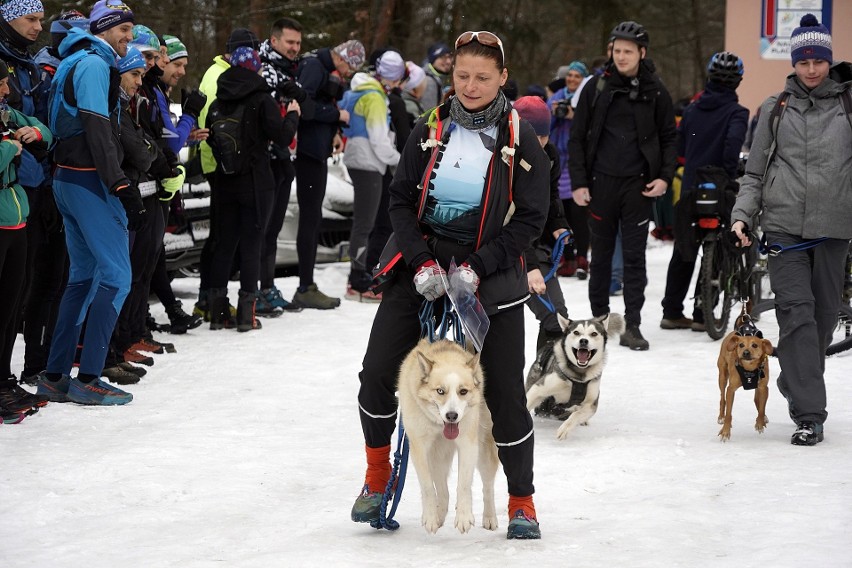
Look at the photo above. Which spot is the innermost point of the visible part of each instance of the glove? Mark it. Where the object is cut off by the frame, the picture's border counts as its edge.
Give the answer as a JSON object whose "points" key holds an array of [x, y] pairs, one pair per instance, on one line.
{"points": [[291, 91], [193, 103], [429, 280], [137, 218], [465, 278], [172, 185]]}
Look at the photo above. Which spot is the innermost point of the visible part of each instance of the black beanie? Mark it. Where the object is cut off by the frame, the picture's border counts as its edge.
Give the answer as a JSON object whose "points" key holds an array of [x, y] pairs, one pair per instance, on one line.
{"points": [[4, 69], [241, 37]]}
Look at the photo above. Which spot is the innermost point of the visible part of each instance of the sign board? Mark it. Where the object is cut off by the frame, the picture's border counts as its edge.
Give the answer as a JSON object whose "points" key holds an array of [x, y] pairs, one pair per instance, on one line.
{"points": [[780, 17]]}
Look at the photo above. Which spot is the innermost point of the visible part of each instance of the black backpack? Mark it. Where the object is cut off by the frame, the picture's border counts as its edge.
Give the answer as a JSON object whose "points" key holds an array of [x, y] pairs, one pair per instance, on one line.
{"points": [[227, 137]]}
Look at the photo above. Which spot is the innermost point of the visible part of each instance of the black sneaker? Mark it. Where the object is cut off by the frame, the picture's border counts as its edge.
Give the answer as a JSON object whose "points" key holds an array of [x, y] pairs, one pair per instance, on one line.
{"points": [[807, 434], [16, 399], [131, 368], [633, 339]]}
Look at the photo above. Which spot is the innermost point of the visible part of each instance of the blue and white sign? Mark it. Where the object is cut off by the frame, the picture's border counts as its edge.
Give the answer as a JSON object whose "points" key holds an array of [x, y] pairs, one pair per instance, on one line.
{"points": [[781, 17]]}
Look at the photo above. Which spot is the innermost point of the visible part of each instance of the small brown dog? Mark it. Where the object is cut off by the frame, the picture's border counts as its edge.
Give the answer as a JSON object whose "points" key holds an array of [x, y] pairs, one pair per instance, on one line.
{"points": [[743, 362]]}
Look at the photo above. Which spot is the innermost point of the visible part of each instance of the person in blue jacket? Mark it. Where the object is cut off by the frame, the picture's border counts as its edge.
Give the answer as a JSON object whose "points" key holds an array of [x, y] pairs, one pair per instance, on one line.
{"points": [[88, 187]]}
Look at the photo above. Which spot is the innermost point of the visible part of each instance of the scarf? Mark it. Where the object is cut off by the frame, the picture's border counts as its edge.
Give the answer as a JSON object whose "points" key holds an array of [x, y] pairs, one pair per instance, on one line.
{"points": [[480, 120]]}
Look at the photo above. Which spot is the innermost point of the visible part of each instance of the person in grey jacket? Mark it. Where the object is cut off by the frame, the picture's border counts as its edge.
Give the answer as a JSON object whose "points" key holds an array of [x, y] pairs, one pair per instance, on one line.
{"points": [[803, 194]]}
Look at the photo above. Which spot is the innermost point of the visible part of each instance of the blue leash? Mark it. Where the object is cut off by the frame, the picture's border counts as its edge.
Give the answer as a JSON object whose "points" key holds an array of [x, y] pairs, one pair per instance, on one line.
{"points": [[775, 249], [393, 491], [555, 258]]}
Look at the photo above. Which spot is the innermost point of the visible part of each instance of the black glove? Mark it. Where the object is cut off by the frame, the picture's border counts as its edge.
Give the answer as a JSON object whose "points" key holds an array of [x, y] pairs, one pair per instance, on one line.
{"points": [[291, 91], [137, 218], [193, 103]]}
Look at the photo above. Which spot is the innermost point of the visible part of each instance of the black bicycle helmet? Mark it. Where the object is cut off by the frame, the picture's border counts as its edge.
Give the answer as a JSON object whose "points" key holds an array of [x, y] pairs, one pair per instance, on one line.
{"points": [[631, 31], [725, 68]]}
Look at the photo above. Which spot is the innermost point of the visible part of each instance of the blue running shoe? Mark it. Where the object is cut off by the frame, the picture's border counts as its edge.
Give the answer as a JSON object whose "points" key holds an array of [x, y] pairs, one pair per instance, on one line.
{"points": [[366, 507], [97, 393], [55, 391], [523, 527]]}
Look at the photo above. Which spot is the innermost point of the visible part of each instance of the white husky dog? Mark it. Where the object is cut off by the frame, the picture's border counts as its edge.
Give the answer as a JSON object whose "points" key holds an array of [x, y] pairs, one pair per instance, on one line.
{"points": [[443, 410]]}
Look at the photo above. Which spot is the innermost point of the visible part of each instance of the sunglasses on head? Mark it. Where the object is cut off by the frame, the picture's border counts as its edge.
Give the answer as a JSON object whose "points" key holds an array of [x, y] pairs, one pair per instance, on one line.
{"points": [[487, 39]]}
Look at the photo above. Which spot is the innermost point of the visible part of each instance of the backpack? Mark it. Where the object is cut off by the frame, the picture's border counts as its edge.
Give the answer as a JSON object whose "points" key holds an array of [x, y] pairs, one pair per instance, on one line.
{"points": [[227, 139]]}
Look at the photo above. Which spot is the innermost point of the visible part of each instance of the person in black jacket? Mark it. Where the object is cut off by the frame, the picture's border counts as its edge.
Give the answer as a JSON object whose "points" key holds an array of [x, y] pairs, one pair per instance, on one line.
{"points": [[455, 213], [317, 130], [245, 196], [711, 133], [621, 156]]}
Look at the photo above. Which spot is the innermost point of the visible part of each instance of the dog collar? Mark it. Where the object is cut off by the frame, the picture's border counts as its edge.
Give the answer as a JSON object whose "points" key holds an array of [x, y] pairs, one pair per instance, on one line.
{"points": [[750, 379]]}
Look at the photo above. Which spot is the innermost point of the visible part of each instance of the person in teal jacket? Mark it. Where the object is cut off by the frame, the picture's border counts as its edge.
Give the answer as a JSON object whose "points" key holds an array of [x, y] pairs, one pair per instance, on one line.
{"points": [[19, 132]]}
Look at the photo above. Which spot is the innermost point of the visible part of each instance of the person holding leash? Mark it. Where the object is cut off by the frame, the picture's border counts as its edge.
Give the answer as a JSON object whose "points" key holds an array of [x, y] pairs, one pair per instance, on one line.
{"points": [[802, 193], [486, 227]]}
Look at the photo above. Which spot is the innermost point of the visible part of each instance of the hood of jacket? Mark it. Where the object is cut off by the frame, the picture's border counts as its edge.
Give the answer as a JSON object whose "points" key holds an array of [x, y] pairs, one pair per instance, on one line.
{"points": [[715, 96], [80, 39], [238, 83], [365, 82]]}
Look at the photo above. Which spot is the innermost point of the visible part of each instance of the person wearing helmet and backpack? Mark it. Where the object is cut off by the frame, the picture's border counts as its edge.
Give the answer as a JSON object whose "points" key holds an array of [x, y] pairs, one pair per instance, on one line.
{"points": [[622, 155], [711, 133]]}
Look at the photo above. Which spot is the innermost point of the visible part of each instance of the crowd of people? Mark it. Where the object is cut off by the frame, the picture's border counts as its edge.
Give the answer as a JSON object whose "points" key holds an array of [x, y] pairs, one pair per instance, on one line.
{"points": [[90, 165]]}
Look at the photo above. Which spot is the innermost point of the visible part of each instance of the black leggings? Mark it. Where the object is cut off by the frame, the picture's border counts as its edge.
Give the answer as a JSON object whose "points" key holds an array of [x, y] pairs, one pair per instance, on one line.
{"points": [[396, 329], [283, 172], [13, 260], [240, 224], [311, 181]]}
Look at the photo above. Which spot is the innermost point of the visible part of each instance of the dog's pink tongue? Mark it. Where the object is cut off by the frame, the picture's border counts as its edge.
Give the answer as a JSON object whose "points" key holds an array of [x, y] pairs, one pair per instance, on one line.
{"points": [[451, 430], [583, 356]]}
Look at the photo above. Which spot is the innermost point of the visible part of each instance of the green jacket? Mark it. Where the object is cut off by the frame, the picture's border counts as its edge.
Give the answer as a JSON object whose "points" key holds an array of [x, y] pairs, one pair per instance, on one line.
{"points": [[14, 206], [209, 86]]}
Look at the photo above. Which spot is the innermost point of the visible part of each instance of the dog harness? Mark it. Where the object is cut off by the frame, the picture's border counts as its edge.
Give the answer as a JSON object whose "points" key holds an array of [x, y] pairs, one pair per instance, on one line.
{"points": [[750, 379], [579, 388]]}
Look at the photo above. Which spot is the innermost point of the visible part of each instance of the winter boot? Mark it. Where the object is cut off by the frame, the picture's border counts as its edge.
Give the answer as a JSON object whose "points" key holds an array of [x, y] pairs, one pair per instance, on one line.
{"points": [[201, 307], [633, 339], [263, 308], [807, 434], [245, 312], [220, 315], [369, 501], [180, 320], [522, 521]]}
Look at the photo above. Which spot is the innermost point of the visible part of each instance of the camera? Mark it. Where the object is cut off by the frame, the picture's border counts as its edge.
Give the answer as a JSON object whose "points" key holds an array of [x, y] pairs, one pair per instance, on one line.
{"points": [[562, 108]]}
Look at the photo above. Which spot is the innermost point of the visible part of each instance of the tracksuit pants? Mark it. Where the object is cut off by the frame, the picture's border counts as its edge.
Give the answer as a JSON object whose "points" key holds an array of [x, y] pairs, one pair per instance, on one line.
{"points": [[396, 330], [311, 182], [99, 274]]}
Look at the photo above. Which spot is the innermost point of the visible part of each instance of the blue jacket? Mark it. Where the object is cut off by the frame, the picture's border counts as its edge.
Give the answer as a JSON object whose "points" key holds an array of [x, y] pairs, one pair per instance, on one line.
{"points": [[712, 132], [28, 94], [85, 108]]}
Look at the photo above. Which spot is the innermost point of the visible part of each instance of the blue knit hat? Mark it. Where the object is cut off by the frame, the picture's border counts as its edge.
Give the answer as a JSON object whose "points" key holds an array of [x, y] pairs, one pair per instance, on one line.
{"points": [[107, 14], [246, 57], [810, 40], [144, 39], [14, 9], [133, 60]]}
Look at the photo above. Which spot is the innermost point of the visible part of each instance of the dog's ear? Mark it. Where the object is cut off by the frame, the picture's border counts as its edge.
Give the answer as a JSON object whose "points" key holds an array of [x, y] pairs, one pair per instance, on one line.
{"points": [[732, 342], [767, 347], [563, 321], [426, 365], [477, 370]]}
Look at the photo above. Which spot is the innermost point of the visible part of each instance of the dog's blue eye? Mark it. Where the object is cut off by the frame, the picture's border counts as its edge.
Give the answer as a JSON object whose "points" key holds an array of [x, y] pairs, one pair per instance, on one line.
{"points": [[440, 391]]}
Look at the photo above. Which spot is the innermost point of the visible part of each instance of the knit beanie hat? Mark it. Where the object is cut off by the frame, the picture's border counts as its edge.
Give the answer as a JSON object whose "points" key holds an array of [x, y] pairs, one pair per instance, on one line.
{"points": [[13, 9], [810, 40], [175, 48], [247, 58], [352, 52], [107, 14], [437, 50], [535, 111], [579, 67], [416, 76], [144, 39], [64, 22], [241, 37], [390, 66], [133, 60]]}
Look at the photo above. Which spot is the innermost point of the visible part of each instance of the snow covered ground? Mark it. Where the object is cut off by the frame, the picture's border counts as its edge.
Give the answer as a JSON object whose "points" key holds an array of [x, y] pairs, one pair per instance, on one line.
{"points": [[246, 450]]}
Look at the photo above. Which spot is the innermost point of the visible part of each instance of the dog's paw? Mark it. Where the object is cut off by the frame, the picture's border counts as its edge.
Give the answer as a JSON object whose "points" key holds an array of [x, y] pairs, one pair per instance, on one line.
{"points": [[725, 434], [760, 425], [489, 522], [720, 420], [432, 522], [464, 520], [564, 430]]}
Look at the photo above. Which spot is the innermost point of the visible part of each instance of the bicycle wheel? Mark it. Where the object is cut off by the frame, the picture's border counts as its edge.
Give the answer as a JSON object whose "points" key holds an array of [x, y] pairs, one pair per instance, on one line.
{"points": [[716, 297]]}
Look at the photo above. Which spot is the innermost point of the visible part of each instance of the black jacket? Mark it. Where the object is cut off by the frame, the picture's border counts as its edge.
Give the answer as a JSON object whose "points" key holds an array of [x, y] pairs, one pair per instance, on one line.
{"points": [[320, 120], [655, 125], [141, 154], [542, 247], [497, 255], [262, 124]]}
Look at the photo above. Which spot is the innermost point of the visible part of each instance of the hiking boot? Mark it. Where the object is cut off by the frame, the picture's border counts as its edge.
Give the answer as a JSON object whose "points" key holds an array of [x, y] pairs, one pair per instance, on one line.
{"points": [[131, 368], [807, 434], [313, 298], [698, 326], [96, 393], [676, 323], [120, 376], [633, 339], [366, 507], [55, 391], [202, 310], [133, 356], [16, 399], [245, 312], [523, 527], [180, 320], [263, 308], [220, 315], [147, 346], [169, 347], [273, 296]]}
